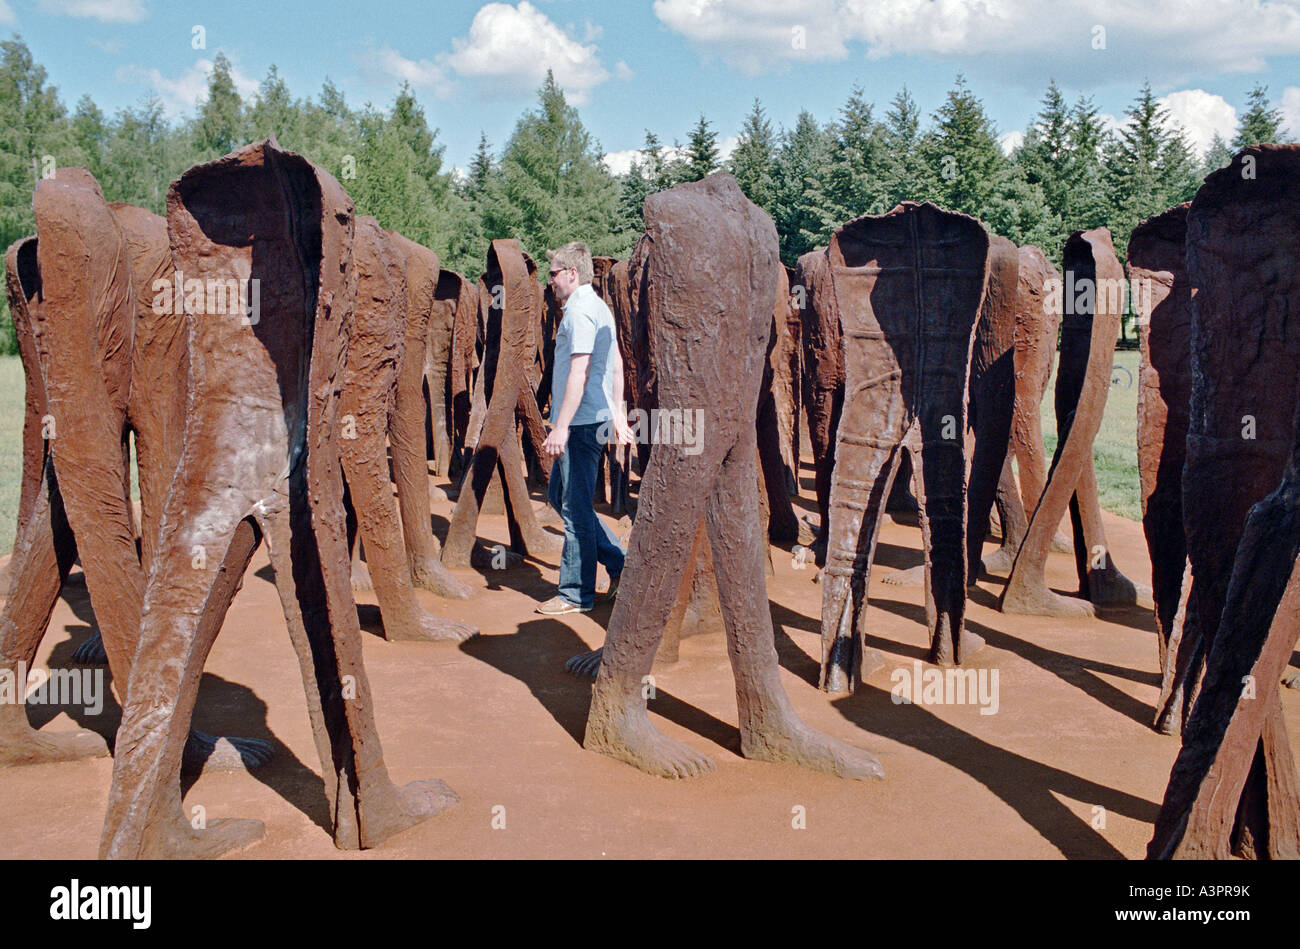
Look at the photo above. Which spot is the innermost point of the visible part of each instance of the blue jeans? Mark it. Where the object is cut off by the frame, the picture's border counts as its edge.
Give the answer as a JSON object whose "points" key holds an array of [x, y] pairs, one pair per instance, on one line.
{"points": [[587, 540]]}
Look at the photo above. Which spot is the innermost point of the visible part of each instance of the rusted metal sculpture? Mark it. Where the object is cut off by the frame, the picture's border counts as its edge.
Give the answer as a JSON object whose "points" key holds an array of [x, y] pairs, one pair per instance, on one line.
{"points": [[777, 416], [1245, 290], [823, 374], [1038, 320], [370, 407], [1157, 265], [786, 359], [406, 419], [458, 297], [1092, 303], [909, 286], [709, 328], [989, 406], [259, 459], [510, 351], [104, 356]]}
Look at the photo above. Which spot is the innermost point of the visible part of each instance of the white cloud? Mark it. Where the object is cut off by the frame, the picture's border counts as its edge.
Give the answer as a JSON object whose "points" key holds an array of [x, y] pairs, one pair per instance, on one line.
{"points": [[1201, 115], [1011, 141], [183, 93], [6, 13], [623, 70], [421, 74], [1291, 111], [620, 163], [106, 11], [108, 46], [1162, 39], [509, 49]]}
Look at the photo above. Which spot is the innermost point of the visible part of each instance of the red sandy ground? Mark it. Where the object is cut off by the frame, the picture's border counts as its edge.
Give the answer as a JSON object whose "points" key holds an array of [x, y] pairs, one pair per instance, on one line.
{"points": [[1067, 767]]}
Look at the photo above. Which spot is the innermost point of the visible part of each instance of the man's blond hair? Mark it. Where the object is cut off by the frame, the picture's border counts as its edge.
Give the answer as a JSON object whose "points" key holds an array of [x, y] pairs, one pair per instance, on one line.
{"points": [[573, 254]]}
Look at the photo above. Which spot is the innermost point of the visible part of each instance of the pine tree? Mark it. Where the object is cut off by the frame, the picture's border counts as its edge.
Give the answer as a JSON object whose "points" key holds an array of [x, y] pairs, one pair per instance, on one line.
{"points": [[751, 162], [90, 131], [856, 181], [553, 186], [963, 153], [800, 203], [1046, 157], [701, 151], [1259, 123], [273, 112], [907, 176], [220, 127], [1216, 156]]}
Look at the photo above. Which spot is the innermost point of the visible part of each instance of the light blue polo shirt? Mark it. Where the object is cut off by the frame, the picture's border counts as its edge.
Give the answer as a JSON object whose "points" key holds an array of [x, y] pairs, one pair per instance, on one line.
{"points": [[586, 327]]}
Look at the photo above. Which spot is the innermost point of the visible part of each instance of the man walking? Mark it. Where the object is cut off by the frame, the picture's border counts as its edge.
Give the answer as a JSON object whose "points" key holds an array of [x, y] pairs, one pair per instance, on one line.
{"points": [[586, 394]]}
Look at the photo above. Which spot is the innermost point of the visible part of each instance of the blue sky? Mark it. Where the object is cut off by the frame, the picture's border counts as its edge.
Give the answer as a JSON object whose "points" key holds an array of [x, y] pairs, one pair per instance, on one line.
{"points": [[637, 64]]}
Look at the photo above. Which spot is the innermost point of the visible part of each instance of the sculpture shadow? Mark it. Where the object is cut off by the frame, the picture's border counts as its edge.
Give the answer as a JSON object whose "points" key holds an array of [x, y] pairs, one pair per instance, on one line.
{"points": [[1083, 674], [535, 655], [1025, 785]]}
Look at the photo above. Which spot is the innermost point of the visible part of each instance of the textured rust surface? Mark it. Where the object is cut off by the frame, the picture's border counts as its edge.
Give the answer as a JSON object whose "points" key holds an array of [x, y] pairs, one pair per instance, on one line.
{"points": [[368, 407], [460, 297], [1038, 321], [777, 416], [1157, 254], [406, 419], [710, 328], [1090, 326], [1245, 290], [509, 353], [259, 459], [909, 286], [823, 372], [992, 394]]}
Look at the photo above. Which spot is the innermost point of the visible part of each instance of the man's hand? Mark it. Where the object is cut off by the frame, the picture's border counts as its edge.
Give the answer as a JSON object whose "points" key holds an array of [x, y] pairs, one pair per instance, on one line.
{"points": [[623, 433], [556, 441]]}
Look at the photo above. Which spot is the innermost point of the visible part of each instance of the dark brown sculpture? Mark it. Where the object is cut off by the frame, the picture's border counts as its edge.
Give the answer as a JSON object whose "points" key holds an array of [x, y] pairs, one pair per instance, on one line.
{"points": [[909, 286], [112, 366], [460, 297], [786, 359], [1092, 304], [406, 431], [823, 374], [259, 458], [1241, 244], [989, 407], [1038, 319], [1157, 255], [509, 352], [777, 415], [368, 409], [709, 329]]}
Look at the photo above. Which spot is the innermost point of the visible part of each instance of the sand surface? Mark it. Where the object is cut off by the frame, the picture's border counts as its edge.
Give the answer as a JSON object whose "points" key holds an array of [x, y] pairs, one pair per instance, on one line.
{"points": [[1067, 767]]}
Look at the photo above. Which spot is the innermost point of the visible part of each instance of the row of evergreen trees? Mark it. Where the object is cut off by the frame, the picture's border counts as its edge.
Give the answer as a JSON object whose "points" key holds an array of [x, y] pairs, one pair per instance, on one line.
{"points": [[548, 183]]}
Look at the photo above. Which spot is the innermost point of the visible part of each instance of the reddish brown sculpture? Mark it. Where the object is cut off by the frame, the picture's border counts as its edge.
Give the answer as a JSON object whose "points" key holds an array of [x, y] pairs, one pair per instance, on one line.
{"points": [[509, 353], [110, 364], [406, 432], [259, 458], [786, 360], [1241, 244], [1038, 319], [1233, 788], [1157, 254], [823, 374], [777, 414], [909, 285], [1092, 304], [709, 328], [370, 406], [989, 408], [460, 296]]}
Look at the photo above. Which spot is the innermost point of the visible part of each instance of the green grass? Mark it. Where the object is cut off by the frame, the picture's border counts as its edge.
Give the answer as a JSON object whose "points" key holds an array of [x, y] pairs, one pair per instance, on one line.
{"points": [[1115, 449], [13, 388]]}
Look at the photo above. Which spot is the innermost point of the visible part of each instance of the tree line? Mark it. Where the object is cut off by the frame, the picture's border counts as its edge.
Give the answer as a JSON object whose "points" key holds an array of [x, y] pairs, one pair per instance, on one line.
{"points": [[548, 184]]}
